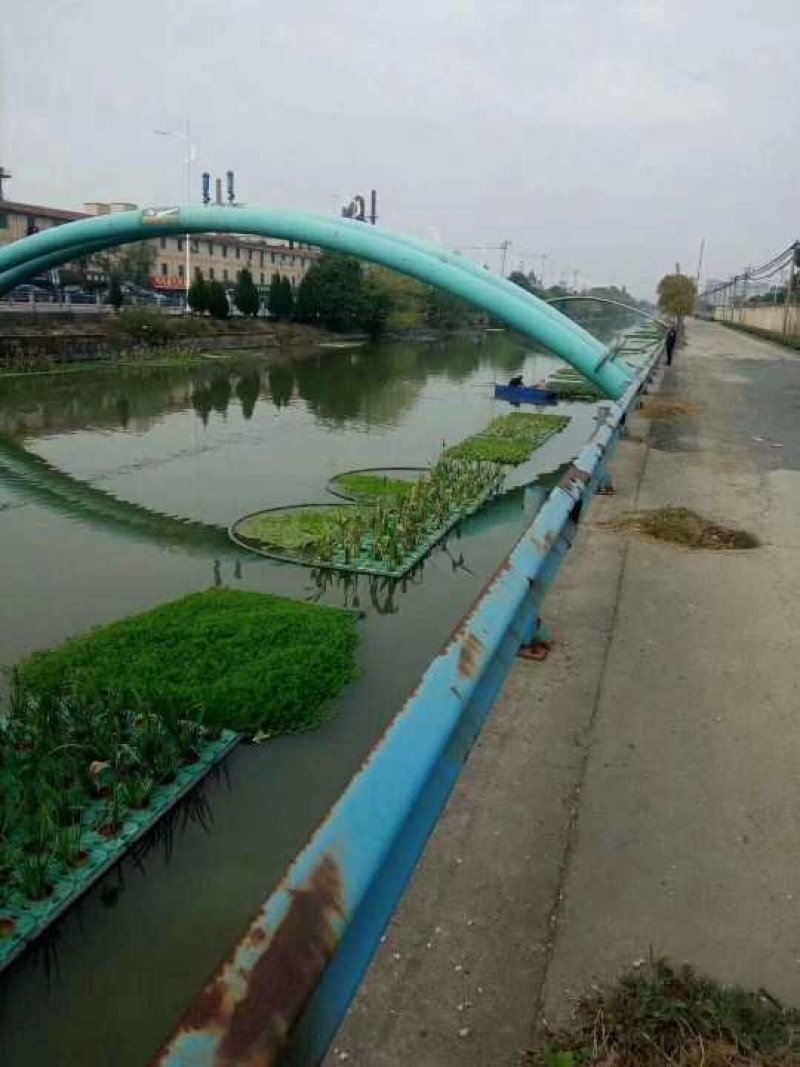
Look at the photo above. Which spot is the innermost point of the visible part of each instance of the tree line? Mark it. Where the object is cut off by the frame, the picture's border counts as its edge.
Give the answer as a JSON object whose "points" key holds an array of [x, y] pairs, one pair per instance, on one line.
{"points": [[340, 294]]}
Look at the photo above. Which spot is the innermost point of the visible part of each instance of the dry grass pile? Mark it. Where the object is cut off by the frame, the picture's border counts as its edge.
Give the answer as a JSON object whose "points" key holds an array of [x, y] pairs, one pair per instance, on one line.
{"points": [[663, 408], [682, 526], [658, 1015]]}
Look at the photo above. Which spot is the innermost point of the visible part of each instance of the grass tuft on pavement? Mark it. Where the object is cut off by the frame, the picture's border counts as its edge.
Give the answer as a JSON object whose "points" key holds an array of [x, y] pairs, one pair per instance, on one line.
{"points": [[682, 526], [664, 409], [661, 1016]]}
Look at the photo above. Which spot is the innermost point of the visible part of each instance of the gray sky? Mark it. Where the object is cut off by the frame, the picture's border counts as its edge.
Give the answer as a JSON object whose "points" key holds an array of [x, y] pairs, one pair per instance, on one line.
{"points": [[610, 134]]}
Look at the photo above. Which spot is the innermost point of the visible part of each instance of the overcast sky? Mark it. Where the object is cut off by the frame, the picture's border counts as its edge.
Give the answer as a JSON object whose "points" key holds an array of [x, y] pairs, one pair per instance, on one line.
{"points": [[609, 134]]}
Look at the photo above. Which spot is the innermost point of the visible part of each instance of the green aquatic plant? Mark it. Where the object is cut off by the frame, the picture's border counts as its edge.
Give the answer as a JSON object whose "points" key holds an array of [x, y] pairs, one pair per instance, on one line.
{"points": [[395, 530], [139, 790], [67, 845], [491, 450], [298, 530], [33, 876], [509, 439], [574, 389], [242, 660], [371, 487], [93, 726]]}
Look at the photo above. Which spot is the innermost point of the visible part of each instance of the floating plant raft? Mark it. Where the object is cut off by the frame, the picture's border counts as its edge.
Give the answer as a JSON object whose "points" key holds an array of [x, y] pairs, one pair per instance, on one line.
{"points": [[569, 384], [509, 439], [387, 539], [108, 732], [375, 483]]}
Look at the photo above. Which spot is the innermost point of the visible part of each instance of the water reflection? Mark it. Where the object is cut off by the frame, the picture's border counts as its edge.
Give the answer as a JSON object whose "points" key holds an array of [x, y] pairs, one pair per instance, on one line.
{"points": [[376, 384], [248, 389], [36, 480], [281, 384]]}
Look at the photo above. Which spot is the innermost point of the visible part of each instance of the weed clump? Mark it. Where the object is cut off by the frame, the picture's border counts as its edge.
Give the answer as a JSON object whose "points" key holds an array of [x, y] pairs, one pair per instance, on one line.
{"points": [[682, 526], [658, 1015]]}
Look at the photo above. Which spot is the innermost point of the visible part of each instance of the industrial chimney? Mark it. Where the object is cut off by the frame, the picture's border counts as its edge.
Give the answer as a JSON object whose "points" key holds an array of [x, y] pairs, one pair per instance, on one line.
{"points": [[231, 196], [206, 187], [373, 206], [218, 192]]}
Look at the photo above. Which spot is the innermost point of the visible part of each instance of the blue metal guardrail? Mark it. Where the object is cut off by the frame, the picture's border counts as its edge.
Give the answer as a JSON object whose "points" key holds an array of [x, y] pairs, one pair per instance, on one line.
{"points": [[284, 990]]}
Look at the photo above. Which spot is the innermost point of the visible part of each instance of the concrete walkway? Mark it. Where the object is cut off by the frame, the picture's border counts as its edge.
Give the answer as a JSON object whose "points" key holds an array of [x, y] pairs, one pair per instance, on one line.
{"points": [[642, 787]]}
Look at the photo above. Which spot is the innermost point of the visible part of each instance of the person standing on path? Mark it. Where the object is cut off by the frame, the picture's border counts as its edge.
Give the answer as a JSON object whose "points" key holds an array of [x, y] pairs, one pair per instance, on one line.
{"points": [[672, 337]]}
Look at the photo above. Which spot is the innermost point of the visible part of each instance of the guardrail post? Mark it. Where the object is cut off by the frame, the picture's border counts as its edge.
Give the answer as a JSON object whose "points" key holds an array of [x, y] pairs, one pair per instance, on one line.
{"points": [[605, 487]]}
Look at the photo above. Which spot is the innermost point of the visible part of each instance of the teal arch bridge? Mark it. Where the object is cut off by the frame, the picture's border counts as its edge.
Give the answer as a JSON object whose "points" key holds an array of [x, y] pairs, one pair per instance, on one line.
{"points": [[504, 301]]}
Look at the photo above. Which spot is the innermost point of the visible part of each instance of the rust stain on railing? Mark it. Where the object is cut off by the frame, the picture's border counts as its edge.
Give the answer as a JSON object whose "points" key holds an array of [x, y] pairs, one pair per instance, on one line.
{"points": [[249, 1008]]}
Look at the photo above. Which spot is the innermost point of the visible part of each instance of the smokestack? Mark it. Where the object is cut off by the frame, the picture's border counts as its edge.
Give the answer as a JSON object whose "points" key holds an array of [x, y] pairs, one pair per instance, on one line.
{"points": [[231, 197], [206, 187], [373, 206], [218, 191]]}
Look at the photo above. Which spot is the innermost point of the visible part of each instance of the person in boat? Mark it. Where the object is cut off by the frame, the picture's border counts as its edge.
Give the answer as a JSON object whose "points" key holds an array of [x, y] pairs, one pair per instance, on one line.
{"points": [[515, 382]]}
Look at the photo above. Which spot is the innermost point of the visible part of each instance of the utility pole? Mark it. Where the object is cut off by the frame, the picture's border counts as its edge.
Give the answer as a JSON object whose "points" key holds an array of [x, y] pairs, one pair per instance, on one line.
{"points": [[700, 262], [744, 294], [789, 286], [190, 154]]}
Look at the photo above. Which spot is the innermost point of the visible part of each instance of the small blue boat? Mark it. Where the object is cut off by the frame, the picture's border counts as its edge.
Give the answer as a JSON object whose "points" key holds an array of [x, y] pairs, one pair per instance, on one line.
{"points": [[524, 394]]}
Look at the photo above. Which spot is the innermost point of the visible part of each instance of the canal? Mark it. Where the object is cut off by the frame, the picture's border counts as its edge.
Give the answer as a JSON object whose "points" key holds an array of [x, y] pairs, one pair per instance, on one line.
{"points": [[116, 486]]}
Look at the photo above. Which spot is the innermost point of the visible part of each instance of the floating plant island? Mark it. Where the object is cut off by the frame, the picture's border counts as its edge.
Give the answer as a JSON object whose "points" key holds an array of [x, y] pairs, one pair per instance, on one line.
{"points": [[388, 537], [394, 522], [509, 439], [107, 733], [569, 384]]}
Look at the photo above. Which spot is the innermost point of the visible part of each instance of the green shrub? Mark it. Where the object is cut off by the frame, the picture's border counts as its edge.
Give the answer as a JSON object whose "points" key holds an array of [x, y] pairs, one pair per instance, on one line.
{"points": [[140, 324]]}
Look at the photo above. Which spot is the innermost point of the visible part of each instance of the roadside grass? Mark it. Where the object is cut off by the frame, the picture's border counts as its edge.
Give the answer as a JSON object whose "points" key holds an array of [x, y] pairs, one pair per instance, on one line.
{"points": [[246, 661], [764, 335], [682, 526], [662, 1016]]}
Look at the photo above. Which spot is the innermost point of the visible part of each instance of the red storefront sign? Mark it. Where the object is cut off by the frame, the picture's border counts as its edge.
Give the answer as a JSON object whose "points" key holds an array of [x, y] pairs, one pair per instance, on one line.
{"points": [[170, 285]]}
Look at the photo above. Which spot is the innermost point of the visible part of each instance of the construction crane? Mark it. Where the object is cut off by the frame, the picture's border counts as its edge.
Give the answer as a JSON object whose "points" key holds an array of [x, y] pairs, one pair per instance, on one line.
{"points": [[502, 247]]}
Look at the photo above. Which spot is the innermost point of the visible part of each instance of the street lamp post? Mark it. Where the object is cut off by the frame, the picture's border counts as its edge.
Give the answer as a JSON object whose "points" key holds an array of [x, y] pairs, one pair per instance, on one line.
{"points": [[185, 135]]}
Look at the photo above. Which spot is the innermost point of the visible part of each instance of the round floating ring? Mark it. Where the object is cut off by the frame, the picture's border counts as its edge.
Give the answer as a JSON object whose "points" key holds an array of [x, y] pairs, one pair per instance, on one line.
{"points": [[368, 470]]}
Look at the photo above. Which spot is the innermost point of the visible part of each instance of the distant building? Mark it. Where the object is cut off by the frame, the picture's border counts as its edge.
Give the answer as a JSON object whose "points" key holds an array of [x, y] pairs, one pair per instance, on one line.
{"points": [[220, 257]]}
